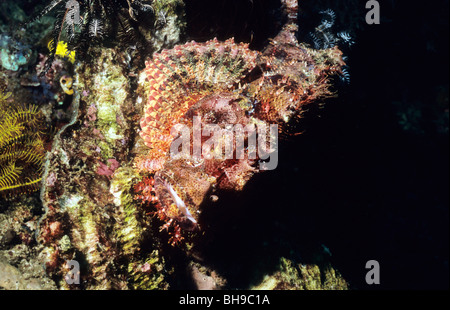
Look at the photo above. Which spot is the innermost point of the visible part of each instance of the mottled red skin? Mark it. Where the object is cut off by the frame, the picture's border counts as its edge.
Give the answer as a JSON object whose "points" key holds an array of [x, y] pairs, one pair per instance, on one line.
{"points": [[189, 81]]}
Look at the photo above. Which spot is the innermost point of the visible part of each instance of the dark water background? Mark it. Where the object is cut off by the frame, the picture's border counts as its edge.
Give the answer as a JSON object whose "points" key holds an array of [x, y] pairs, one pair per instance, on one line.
{"points": [[359, 180]]}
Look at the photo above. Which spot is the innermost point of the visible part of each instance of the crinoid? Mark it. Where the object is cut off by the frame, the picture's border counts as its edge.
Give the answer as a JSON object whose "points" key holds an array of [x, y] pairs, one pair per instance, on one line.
{"points": [[228, 86], [21, 148], [82, 23], [325, 36]]}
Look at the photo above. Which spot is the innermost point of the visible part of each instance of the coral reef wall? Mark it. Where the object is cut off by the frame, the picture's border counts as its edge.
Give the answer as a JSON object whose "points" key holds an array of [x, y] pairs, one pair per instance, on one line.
{"points": [[89, 215], [104, 113]]}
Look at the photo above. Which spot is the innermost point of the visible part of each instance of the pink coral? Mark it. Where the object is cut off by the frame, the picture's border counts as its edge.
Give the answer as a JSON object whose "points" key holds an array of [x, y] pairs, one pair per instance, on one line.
{"points": [[108, 169]]}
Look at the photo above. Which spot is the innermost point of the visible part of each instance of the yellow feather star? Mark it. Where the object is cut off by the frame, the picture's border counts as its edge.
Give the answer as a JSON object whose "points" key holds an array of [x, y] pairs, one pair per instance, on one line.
{"points": [[21, 148]]}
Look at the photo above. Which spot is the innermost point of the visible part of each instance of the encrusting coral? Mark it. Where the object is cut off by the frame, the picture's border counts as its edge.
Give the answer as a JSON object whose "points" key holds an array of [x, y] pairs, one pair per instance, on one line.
{"points": [[81, 24], [86, 194], [291, 276], [90, 214], [109, 183]]}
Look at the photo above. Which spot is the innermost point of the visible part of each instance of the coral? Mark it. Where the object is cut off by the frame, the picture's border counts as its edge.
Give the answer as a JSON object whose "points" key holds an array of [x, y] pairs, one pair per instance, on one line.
{"points": [[13, 54], [204, 278], [85, 23], [21, 148], [17, 224], [302, 277], [12, 278], [62, 51], [108, 191], [15, 40], [108, 169], [48, 91], [130, 232], [76, 170], [20, 263], [11, 12], [148, 273], [87, 193]]}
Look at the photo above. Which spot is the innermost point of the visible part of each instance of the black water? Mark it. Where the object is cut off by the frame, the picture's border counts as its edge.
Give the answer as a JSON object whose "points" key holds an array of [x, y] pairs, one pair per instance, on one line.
{"points": [[359, 181]]}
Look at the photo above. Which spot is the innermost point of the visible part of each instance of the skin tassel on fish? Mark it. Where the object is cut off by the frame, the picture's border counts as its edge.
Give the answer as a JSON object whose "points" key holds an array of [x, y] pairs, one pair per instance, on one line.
{"points": [[224, 84]]}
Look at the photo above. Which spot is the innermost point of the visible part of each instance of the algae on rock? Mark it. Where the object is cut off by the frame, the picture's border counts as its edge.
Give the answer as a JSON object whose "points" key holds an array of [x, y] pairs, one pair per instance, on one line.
{"points": [[302, 277], [90, 215], [89, 197]]}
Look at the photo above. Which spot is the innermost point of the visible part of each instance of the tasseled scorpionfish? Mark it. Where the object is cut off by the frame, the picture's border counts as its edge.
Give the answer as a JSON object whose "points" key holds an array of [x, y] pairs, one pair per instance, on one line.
{"points": [[214, 110]]}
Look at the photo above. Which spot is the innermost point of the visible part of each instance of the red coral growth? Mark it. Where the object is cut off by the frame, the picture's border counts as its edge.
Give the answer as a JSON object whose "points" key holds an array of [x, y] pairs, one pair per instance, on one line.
{"points": [[51, 230], [108, 169]]}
